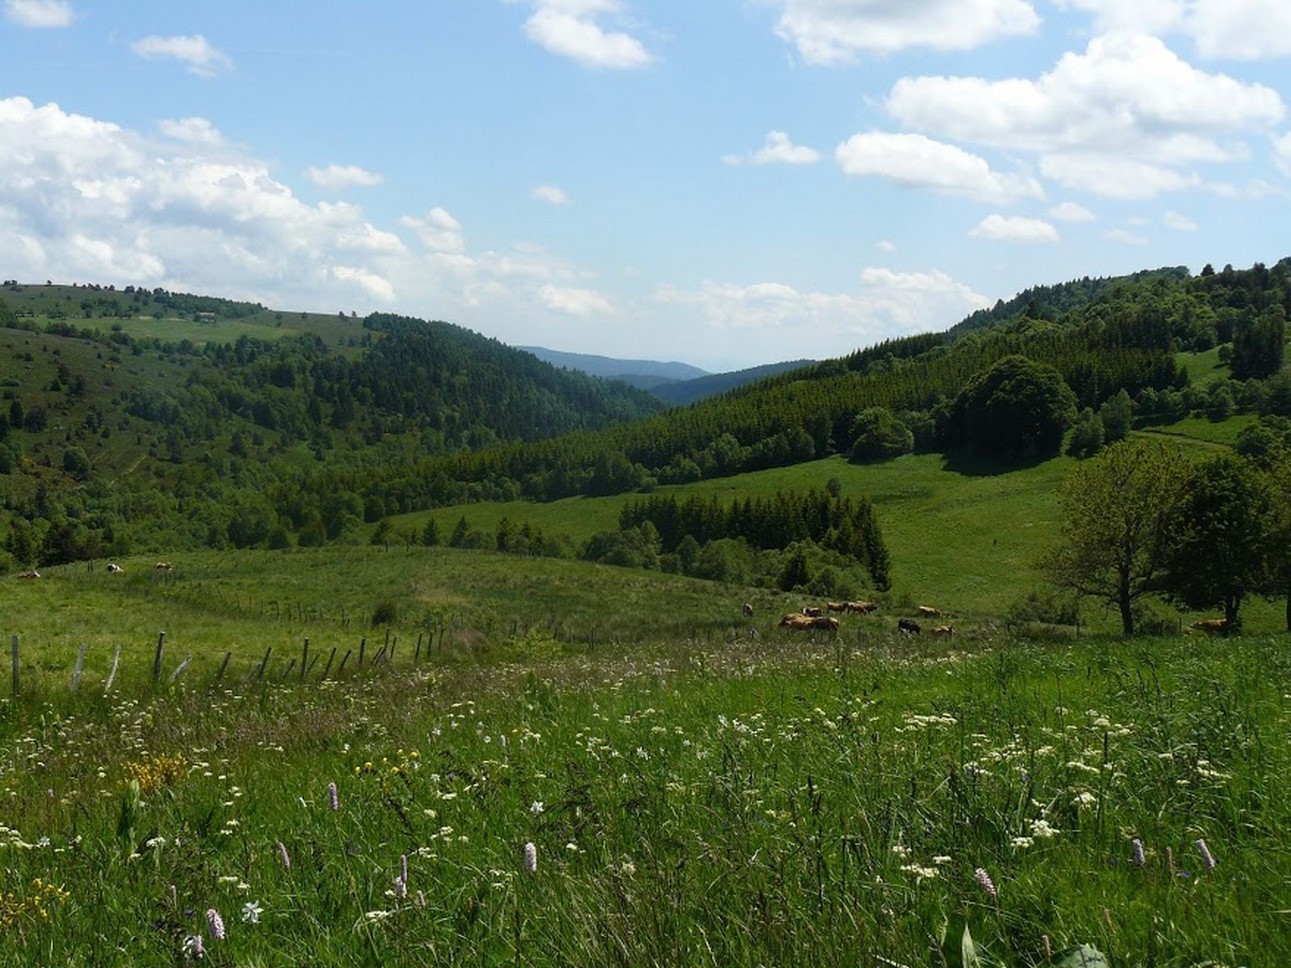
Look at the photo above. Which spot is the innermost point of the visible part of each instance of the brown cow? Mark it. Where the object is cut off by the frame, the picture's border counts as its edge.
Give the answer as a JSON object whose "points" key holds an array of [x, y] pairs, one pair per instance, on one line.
{"points": [[805, 623], [28, 574], [927, 611], [1212, 625], [836, 606], [946, 630], [747, 609], [164, 566], [908, 626], [796, 620], [863, 607], [812, 610]]}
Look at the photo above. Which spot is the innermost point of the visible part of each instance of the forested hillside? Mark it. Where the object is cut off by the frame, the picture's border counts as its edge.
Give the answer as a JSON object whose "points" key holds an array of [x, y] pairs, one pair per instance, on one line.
{"points": [[128, 422], [136, 420]]}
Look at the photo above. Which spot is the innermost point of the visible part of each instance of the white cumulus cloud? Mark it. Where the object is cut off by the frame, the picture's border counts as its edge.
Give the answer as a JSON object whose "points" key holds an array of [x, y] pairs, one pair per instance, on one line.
{"points": [[572, 28], [1125, 237], [550, 194], [335, 178], [836, 31], [1071, 212], [1180, 223], [574, 301], [42, 14], [779, 149], [1126, 118], [999, 228], [1241, 29], [819, 323], [192, 50], [196, 130], [920, 162], [1282, 152], [438, 230]]}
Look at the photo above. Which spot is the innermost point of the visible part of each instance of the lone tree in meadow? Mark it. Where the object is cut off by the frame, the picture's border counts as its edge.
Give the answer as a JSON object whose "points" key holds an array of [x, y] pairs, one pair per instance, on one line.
{"points": [[1116, 528], [1223, 534], [878, 435], [1014, 408]]}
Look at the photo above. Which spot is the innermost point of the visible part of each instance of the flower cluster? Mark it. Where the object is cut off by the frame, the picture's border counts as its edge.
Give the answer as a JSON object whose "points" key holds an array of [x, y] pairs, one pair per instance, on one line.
{"points": [[155, 772], [36, 904]]}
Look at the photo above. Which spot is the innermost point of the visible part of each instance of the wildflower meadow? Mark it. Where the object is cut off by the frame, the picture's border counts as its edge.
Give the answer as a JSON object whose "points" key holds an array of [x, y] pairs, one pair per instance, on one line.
{"points": [[767, 802]]}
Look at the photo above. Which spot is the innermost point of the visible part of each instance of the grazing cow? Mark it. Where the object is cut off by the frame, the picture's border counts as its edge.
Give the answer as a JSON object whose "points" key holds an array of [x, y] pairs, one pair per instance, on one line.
{"points": [[927, 611], [805, 623], [863, 607], [114, 568], [28, 574], [747, 609], [1212, 625], [164, 566], [908, 626], [812, 611], [946, 630], [836, 606]]}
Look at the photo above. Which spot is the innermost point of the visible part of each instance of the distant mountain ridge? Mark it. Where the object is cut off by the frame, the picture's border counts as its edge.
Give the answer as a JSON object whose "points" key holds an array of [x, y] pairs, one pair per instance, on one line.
{"points": [[672, 382], [643, 374]]}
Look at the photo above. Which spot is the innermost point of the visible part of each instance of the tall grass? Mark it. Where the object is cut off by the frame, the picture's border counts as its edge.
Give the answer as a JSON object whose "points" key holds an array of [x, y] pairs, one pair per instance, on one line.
{"points": [[764, 802]]}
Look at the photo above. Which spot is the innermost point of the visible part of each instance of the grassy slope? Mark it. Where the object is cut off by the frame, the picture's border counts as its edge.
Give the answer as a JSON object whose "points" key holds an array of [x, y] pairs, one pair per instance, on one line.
{"points": [[964, 541]]}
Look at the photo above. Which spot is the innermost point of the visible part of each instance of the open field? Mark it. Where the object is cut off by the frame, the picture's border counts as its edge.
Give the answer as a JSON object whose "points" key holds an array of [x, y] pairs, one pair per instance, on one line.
{"points": [[692, 797], [964, 539]]}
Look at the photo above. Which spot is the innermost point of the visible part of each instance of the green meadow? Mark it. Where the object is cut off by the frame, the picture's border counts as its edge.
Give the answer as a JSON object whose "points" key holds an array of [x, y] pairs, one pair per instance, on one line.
{"points": [[674, 786]]}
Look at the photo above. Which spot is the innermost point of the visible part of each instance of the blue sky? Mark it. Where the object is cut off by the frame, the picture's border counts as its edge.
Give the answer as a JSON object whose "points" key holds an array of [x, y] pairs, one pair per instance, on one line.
{"points": [[724, 182]]}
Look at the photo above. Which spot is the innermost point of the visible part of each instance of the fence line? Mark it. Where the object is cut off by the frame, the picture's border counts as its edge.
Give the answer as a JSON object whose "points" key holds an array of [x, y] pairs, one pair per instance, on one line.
{"points": [[306, 664]]}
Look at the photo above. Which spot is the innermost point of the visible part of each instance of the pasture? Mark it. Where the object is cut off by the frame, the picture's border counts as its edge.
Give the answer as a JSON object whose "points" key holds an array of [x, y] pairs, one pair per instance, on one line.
{"points": [[966, 538], [693, 795]]}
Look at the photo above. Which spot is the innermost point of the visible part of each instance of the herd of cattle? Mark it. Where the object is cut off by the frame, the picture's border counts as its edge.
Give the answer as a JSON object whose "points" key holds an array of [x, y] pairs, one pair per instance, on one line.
{"points": [[813, 617], [112, 569]]}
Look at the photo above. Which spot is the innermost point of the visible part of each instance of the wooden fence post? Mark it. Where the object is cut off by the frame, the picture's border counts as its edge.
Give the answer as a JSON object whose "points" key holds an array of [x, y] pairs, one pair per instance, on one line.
{"points": [[223, 665], [327, 668], [304, 659], [112, 674], [15, 666], [156, 661], [80, 664], [344, 659], [363, 647], [263, 662], [180, 668]]}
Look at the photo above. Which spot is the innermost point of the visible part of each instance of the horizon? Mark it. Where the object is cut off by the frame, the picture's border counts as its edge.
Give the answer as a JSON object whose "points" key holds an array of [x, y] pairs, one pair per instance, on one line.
{"points": [[727, 185]]}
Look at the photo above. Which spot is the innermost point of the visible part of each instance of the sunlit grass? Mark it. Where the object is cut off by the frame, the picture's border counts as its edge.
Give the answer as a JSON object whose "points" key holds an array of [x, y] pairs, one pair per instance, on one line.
{"points": [[748, 804]]}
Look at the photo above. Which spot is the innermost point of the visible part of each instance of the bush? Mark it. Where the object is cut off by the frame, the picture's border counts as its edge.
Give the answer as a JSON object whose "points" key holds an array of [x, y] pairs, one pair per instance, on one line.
{"points": [[385, 612]]}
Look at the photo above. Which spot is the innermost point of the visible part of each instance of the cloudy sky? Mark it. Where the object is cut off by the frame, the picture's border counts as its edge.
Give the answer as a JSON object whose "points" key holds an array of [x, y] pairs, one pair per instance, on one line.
{"points": [[724, 182]]}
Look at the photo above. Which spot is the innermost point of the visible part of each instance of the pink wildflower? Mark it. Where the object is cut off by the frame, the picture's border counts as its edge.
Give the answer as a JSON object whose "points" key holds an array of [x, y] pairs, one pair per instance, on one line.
{"points": [[988, 885]]}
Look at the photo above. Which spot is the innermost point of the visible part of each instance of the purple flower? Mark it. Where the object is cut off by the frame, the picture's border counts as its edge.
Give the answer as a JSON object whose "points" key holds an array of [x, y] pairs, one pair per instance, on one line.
{"points": [[283, 855], [333, 798], [215, 924], [400, 888], [192, 946], [1139, 859], [403, 868], [1207, 857], [531, 858], [988, 885]]}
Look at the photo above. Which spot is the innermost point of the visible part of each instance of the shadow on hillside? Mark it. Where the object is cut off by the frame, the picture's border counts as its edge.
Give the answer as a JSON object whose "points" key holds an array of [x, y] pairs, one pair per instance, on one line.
{"points": [[975, 465]]}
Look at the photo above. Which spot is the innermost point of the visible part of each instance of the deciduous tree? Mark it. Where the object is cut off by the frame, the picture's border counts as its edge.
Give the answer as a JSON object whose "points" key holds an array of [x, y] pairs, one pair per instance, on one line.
{"points": [[1222, 534], [1116, 524]]}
